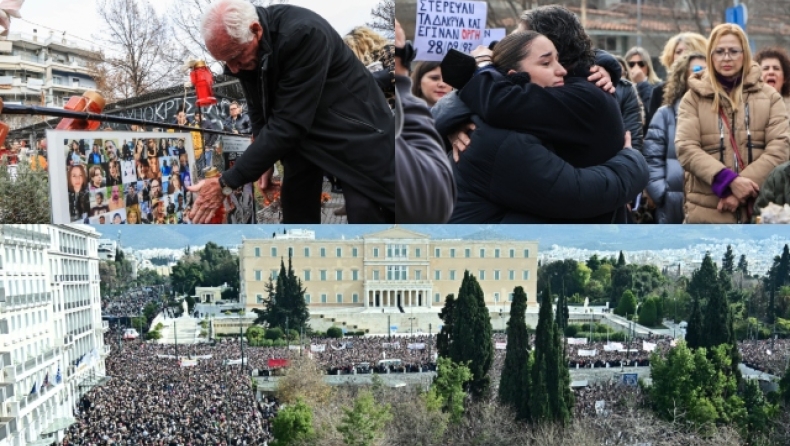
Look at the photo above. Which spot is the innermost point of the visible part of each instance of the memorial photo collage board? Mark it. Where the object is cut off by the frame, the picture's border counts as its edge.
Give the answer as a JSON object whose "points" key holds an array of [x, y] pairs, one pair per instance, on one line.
{"points": [[121, 177]]}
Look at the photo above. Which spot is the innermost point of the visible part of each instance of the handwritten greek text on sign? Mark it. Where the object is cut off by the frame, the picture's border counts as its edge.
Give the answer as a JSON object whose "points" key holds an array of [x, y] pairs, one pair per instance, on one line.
{"points": [[493, 35], [443, 25]]}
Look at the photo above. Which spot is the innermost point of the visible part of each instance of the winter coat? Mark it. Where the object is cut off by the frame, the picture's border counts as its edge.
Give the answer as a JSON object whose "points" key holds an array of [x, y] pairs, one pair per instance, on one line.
{"points": [[631, 109], [645, 90], [666, 173], [698, 141], [775, 189], [311, 96], [510, 177], [581, 122], [425, 186]]}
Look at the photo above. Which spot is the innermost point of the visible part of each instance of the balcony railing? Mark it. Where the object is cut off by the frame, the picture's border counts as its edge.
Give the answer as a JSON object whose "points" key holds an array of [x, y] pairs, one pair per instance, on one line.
{"points": [[24, 299], [8, 427]]}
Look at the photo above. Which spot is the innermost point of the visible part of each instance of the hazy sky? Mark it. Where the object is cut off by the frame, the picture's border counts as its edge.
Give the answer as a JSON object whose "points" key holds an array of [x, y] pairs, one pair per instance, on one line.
{"points": [[80, 19]]}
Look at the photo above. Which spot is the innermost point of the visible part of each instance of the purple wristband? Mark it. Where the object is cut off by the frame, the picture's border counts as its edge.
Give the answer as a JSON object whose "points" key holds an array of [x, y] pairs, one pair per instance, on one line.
{"points": [[721, 183]]}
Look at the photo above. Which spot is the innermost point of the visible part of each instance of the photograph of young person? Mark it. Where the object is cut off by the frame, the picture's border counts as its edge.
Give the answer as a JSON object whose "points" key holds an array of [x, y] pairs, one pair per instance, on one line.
{"points": [[153, 168], [139, 150], [145, 190], [172, 149], [150, 150], [127, 150], [132, 197], [79, 200], [162, 148], [100, 220], [156, 189], [96, 157], [96, 174], [174, 185], [186, 179], [117, 218], [159, 211], [98, 203], [74, 157], [142, 170], [114, 177], [133, 215], [164, 167], [145, 212], [179, 199], [128, 171], [116, 200], [170, 205]]}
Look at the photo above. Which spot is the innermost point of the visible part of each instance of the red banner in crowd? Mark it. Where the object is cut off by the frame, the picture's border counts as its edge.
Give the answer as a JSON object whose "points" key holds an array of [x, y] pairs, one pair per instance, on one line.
{"points": [[274, 363]]}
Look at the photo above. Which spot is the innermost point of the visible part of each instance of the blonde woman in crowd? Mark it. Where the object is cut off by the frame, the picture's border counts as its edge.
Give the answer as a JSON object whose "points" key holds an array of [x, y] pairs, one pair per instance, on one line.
{"points": [[732, 130], [641, 72], [665, 188], [675, 47]]}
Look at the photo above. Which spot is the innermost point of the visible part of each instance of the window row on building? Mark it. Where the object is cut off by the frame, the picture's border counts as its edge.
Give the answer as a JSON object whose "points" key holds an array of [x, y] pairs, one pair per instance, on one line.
{"points": [[397, 272], [401, 251]]}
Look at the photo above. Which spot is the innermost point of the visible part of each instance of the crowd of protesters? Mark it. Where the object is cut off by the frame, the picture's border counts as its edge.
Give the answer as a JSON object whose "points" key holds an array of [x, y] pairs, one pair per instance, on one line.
{"points": [[130, 303], [151, 400]]}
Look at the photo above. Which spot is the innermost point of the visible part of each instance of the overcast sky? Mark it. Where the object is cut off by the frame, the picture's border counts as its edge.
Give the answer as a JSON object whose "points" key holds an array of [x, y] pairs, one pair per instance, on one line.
{"points": [[80, 19]]}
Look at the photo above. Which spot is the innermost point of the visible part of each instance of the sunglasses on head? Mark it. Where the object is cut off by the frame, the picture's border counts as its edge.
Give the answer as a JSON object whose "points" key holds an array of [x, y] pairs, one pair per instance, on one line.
{"points": [[641, 63]]}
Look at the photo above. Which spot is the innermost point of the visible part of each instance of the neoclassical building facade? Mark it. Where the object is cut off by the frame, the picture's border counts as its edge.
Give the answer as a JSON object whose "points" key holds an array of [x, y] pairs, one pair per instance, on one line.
{"points": [[395, 267]]}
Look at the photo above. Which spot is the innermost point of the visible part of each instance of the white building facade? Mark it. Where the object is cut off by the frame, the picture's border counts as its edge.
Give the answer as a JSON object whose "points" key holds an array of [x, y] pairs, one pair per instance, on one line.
{"points": [[51, 332]]}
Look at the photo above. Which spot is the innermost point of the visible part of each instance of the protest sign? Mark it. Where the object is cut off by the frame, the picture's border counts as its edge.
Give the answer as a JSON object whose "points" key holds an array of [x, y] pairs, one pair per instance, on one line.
{"points": [[587, 352], [493, 35], [577, 341], [444, 24], [318, 347], [500, 345]]}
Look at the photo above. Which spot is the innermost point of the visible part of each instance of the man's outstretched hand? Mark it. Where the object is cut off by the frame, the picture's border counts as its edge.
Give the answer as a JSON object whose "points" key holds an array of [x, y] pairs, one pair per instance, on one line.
{"points": [[208, 201]]}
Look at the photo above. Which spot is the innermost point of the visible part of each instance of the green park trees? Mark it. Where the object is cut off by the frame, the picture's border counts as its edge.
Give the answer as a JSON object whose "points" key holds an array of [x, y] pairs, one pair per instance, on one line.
{"points": [[211, 266]]}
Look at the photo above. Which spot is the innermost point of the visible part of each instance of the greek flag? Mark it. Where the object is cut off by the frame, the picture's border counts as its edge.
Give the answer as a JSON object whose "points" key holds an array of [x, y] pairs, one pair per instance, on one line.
{"points": [[58, 377], [33, 391]]}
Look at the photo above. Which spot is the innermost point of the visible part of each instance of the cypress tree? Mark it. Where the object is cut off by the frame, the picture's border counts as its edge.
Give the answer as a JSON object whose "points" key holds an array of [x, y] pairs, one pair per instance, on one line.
{"points": [[471, 334], [717, 319], [783, 273], [695, 329], [513, 385], [728, 261], [299, 314], [704, 281], [443, 337], [743, 265], [621, 259], [551, 399]]}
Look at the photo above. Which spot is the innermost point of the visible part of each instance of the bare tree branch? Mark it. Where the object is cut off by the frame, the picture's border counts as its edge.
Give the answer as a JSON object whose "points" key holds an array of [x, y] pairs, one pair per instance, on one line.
{"points": [[383, 18], [141, 56]]}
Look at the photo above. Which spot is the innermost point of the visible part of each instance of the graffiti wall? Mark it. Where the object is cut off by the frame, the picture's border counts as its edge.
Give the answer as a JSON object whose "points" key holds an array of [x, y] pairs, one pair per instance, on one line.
{"points": [[165, 110]]}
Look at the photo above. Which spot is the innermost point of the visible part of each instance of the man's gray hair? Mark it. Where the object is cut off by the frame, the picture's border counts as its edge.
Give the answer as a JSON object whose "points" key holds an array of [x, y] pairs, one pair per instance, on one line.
{"points": [[235, 15]]}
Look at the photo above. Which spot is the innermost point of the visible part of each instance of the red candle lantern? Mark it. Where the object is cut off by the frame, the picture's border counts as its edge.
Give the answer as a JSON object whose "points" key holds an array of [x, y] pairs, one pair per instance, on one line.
{"points": [[203, 80]]}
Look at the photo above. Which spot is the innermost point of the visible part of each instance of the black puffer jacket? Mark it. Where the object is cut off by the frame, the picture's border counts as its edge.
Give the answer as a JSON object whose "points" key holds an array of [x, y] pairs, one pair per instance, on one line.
{"points": [[632, 111]]}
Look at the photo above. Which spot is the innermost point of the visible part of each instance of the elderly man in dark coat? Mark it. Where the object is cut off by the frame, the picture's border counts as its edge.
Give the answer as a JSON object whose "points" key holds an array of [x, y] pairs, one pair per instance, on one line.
{"points": [[312, 105]]}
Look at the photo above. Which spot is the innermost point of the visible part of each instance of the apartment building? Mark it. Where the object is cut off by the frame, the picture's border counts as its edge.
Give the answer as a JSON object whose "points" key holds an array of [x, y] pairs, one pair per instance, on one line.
{"points": [[44, 70], [51, 330], [391, 268]]}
